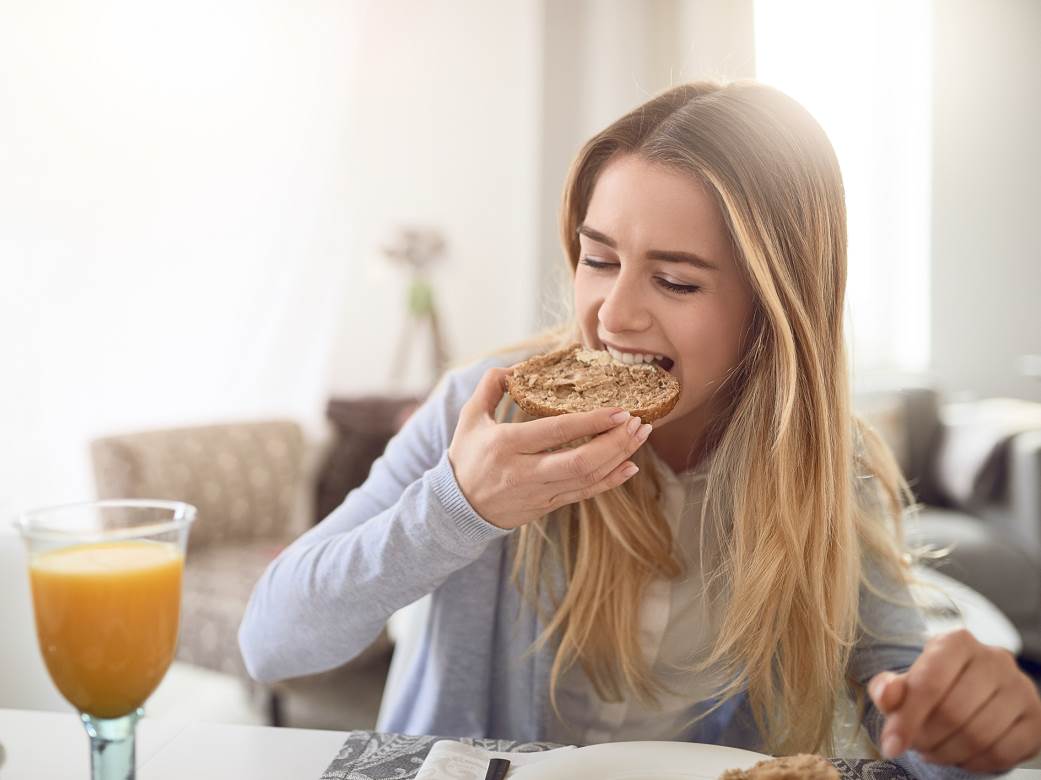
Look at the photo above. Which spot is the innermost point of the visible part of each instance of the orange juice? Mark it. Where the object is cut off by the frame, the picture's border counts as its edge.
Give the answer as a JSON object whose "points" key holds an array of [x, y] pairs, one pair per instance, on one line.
{"points": [[107, 617]]}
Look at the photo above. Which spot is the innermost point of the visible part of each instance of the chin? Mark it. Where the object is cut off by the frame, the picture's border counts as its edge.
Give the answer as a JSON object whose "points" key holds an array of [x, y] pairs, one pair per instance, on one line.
{"points": [[672, 416]]}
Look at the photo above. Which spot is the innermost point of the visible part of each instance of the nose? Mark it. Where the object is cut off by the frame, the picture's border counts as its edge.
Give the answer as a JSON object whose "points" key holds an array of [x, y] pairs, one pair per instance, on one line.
{"points": [[624, 309]]}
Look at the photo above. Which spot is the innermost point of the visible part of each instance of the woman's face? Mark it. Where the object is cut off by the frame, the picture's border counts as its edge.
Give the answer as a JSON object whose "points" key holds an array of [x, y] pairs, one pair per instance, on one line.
{"points": [[657, 276]]}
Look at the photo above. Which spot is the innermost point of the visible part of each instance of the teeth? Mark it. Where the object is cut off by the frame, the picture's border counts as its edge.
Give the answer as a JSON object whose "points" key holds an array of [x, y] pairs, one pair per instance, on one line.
{"points": [[629, 358]]}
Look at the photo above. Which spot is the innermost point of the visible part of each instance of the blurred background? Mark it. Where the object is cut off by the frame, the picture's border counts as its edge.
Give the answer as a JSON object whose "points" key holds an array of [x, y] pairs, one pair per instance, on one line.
{"points": [[197, 199]]}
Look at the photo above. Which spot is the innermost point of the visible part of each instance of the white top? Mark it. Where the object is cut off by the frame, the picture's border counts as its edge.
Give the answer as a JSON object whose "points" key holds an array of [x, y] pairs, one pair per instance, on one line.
{"points": [[675, 629]]}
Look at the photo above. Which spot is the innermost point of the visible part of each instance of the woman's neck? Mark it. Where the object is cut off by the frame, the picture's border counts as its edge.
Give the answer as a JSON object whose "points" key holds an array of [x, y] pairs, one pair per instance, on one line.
{"points": [[676, 448]]}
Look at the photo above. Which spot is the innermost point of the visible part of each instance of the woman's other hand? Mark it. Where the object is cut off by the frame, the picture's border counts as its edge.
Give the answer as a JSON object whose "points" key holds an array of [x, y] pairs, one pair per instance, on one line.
{"points": [[961, 703], [508, 477]]}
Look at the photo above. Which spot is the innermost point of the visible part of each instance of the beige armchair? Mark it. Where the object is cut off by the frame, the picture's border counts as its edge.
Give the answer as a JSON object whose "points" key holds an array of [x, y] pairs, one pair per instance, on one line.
{"points": [[249, 483]]}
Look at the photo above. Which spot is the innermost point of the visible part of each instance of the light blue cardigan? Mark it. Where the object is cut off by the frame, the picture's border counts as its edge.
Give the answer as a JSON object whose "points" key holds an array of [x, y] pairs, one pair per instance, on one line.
{"points": [[409, 531]]}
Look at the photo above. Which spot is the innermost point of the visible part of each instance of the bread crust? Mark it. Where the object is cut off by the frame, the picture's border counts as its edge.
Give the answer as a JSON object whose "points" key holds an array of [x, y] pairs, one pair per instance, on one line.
{"points": [[574, 379]]}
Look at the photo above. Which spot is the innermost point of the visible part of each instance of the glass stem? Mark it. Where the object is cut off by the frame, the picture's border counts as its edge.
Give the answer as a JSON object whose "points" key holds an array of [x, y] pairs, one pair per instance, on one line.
{"points": [[111, 746]]}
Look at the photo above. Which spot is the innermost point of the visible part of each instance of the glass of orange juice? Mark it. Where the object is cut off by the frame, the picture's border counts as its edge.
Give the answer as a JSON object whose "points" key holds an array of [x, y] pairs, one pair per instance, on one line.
{"points": [[106, 588]]}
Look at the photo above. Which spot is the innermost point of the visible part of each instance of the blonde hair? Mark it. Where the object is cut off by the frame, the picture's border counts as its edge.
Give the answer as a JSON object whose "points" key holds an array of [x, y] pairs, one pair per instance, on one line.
{"points": [[787, 454]]}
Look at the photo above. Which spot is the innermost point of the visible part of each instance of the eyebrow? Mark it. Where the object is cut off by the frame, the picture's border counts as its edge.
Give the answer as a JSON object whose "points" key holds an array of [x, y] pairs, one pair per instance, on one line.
{"points": [[652, 254]]}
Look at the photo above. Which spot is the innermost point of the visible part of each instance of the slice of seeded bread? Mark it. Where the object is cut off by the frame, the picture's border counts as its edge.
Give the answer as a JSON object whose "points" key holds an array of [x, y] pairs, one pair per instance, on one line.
{"points": [[575, 379], [804, 766]]}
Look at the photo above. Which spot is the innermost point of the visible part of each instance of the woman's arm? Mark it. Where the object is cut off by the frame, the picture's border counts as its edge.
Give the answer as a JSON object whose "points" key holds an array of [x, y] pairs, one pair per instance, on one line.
{"points": [[892, 642], [393, 540], [962, 703]]}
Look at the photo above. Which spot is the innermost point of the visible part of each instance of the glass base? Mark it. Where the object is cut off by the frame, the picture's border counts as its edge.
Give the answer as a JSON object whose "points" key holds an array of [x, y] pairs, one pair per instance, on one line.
{"points": [[111, 745]]}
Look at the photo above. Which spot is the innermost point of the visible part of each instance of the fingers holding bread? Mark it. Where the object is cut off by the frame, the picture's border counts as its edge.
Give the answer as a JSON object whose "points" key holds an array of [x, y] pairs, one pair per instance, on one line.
{"points": [[560, 386], [613, 479], [513, 474], [486, 396], [552, 433], [510, 488], [593, 461]]}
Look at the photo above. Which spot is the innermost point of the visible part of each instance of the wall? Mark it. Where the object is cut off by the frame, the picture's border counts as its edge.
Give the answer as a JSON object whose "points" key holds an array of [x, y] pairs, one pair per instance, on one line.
{"points": [[192, 202], [173, 221], [444, 123], [986, 293]]}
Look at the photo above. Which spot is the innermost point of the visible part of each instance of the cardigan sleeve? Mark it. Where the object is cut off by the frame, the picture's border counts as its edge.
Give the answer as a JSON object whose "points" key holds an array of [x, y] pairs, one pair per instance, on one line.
{"points": [[394, 539], [892, 635]]}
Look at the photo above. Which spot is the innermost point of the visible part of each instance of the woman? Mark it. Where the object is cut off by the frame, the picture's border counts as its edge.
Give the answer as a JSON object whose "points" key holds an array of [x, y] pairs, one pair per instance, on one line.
{"points": [[728, 576]]}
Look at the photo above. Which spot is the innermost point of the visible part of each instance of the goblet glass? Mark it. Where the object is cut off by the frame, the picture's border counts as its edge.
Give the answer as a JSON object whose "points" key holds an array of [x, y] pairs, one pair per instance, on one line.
{"points": [[106, 588]]}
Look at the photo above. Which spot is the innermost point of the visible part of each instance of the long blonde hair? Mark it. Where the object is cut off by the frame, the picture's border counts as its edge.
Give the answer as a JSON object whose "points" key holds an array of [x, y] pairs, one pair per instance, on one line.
{"points": [[787, 454]]}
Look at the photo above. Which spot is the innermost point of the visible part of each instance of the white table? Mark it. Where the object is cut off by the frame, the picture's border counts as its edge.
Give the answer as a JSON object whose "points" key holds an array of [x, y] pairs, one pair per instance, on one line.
{"points": [[46, 745]]}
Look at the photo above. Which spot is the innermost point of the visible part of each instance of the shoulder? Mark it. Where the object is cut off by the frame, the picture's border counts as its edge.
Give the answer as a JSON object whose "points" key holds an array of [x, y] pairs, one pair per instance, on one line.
{"points": [[438, 414]]}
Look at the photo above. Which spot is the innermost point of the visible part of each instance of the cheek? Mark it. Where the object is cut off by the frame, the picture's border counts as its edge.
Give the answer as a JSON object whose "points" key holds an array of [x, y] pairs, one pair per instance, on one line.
{"points": [[711, 346], [580, 298], [586, 300]]}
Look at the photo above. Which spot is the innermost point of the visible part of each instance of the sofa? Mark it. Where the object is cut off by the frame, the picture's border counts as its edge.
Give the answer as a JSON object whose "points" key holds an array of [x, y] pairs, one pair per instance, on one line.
{"points": [[992, 539]]}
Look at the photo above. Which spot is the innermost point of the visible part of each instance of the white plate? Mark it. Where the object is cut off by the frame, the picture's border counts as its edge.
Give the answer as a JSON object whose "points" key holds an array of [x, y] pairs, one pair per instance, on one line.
{"points": [[640, 761]]}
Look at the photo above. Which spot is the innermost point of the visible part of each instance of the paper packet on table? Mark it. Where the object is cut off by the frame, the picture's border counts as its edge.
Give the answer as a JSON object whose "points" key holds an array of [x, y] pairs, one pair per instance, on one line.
{"points": [[451, 760]]}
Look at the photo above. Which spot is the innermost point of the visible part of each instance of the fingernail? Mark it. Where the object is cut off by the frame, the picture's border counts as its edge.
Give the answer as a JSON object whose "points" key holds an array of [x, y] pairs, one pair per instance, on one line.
{"points": [[645, 431], [629, 470], [620, 417], [891, 747], [634, 424]]}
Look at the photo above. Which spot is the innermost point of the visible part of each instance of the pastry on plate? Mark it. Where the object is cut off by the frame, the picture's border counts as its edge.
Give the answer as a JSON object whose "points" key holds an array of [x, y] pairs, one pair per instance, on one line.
{"points": [[803, 766]]}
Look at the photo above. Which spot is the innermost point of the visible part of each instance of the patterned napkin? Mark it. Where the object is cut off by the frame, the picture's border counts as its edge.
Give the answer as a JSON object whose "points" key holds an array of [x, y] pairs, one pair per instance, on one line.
{"points": [[451, 760]]}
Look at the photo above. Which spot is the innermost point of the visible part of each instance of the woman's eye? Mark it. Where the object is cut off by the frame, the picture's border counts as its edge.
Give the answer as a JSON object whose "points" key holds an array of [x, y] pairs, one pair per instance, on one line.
{"points": [[596, 265], [682, 289]]}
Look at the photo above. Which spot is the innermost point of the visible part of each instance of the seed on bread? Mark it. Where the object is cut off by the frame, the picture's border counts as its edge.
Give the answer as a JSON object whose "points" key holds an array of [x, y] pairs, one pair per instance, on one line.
{"points": [[574, 379]]}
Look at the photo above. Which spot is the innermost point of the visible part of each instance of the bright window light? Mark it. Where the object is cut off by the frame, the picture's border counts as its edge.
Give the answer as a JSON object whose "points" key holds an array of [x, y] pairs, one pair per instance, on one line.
{"points": [[864, 71]]}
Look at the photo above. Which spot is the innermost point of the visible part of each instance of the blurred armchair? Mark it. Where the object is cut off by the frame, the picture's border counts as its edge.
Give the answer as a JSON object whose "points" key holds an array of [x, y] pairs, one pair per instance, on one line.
{"points": [[250, 483]]}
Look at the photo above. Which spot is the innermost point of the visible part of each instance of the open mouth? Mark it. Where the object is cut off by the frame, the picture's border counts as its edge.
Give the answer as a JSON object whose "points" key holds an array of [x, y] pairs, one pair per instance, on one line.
{"points": [[631, 358]]}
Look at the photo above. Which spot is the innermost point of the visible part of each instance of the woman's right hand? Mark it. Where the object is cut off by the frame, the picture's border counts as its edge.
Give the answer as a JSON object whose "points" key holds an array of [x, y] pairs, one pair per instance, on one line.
{"points": [[508, 477]]}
